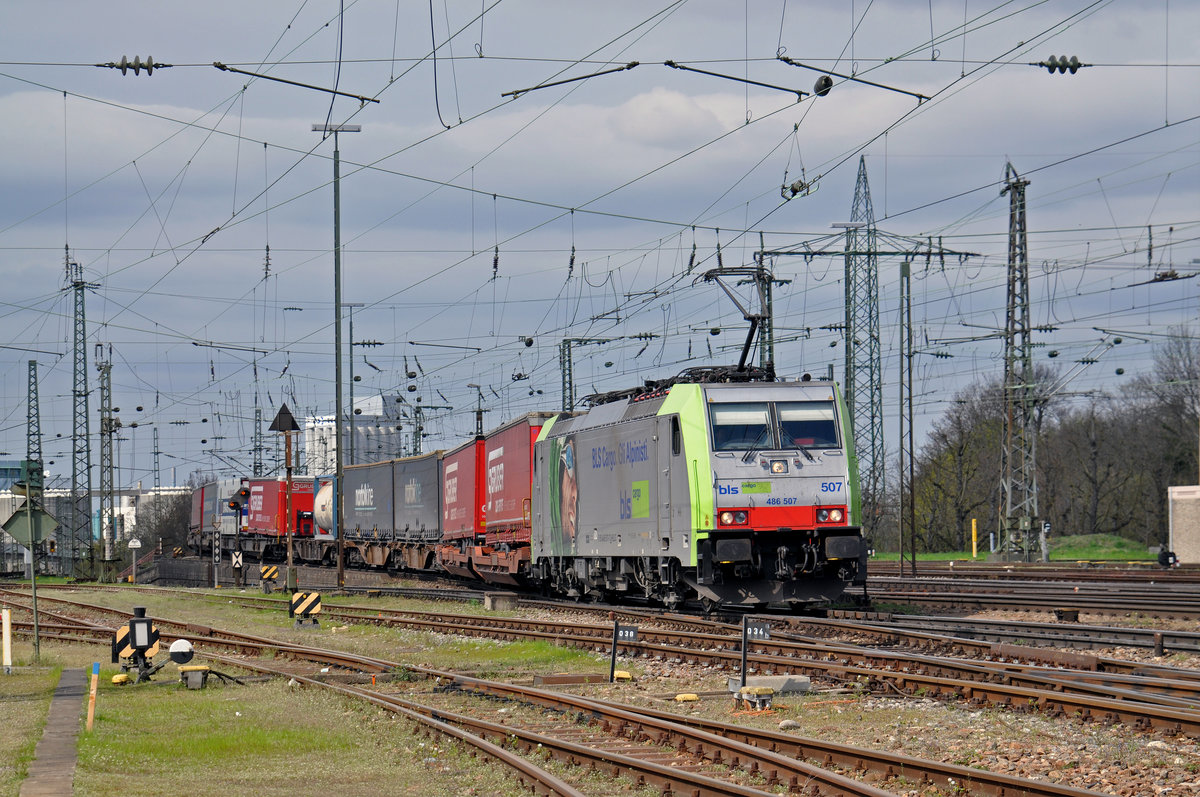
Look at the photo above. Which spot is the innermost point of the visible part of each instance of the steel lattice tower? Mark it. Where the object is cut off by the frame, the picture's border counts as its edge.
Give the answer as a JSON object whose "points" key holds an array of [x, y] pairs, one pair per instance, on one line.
{"points": [[566, 365], [157, 476], [108, 428], [864, 369], [81, 446], [257, 467], [33, 423], [1018, 451]]}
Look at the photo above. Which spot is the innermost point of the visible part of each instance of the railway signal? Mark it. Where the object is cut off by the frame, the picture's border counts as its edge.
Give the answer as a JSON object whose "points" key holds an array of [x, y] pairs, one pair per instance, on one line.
{"points": [[135, 645]]}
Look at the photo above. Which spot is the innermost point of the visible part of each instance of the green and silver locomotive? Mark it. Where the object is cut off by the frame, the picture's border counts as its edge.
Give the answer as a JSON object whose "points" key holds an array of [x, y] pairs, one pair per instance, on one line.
{"points": [[718, 485]]}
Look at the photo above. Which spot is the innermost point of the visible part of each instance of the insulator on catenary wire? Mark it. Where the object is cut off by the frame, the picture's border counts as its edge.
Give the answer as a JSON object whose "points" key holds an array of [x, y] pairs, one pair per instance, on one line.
{"points": [[137, 65], [1061, 64]]}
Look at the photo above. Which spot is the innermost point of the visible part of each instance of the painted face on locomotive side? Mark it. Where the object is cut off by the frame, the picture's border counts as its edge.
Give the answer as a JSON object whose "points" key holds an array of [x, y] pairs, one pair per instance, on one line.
{"points": [[564, 494], [569, 499]]}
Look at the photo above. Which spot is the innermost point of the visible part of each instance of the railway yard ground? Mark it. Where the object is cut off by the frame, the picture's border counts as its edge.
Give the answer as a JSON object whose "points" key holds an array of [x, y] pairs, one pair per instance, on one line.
{"points": [[277, 734]]}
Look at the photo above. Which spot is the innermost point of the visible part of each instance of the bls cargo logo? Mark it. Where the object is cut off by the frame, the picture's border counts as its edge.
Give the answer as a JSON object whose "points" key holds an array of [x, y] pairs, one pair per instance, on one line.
{"points": [[636, 502], [727, 489]]}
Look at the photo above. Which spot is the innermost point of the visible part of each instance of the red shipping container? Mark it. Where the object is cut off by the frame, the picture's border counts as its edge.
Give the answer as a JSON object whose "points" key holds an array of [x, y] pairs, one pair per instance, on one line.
{"points": [[268, 506], [462, 492], [509, 466]]}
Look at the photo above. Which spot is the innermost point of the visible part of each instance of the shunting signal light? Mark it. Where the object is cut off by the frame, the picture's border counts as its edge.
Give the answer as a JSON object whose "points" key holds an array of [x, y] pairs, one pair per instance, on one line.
{"points": [[235, 505], [1061, 64]]}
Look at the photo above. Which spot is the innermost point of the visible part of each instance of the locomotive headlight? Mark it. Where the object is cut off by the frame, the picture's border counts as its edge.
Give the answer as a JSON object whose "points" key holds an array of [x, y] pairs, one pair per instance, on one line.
{"points": [[830, 515], [822, 515], [779, 466], [739, 518], [726, 518], [835, 515], [731, 517]]}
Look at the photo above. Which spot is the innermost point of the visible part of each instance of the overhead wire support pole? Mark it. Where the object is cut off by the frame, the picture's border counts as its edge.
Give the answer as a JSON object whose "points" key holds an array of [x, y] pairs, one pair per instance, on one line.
{"points": [[108, 429], [1018, 446], [350, 416], [863, 374], [81, 456], [566, 365], [33, 488], [908, 512], [419, 422], [339, 408]]}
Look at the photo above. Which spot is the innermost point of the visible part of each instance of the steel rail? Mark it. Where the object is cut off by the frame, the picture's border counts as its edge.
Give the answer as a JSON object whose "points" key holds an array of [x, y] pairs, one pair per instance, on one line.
{"points": [[955, 777], [840, 755]]}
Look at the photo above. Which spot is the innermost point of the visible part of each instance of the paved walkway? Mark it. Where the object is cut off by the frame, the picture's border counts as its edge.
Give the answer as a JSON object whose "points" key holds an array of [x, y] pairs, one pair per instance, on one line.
{"points": [[52, 772]]}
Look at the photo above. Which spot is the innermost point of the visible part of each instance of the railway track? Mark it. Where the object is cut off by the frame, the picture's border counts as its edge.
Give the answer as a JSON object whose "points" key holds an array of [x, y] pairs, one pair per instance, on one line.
{"points": [[1160, 600], [1162, 698], [1080, 571], [614, 739], [1057, 634]]}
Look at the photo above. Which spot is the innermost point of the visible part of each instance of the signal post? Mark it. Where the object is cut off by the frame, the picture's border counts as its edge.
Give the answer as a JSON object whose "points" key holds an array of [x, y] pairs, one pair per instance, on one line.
{"points": [[285, 422]]}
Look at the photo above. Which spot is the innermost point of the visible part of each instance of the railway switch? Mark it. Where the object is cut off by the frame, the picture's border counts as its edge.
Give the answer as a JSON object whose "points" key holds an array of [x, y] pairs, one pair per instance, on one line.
{"points": [[754, 698]]}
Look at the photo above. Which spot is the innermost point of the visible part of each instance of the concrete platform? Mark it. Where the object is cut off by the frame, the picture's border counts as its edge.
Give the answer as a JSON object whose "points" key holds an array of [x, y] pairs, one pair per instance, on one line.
{"points": [[782, 684], [52, 772]]}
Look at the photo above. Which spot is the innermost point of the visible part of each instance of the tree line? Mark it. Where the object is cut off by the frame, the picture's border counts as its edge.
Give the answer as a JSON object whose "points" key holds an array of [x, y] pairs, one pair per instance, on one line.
{"points": [[1104, 461]]}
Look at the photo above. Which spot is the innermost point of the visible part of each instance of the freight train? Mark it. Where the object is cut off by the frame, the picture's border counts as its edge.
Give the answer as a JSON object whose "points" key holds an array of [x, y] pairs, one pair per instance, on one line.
{"points": [[718, 486]]}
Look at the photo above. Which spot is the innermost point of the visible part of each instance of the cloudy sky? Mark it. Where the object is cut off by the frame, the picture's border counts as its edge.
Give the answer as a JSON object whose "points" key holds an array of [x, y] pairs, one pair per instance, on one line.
{"points": [[198, 202]]}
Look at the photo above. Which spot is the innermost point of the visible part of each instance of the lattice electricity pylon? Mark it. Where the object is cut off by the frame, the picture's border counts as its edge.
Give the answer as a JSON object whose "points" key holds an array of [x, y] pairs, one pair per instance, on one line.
{"points": [[257, 468], [80, 528], [1019, 445], [108, 429], [863, 378], [157, 472], [33, 423]]}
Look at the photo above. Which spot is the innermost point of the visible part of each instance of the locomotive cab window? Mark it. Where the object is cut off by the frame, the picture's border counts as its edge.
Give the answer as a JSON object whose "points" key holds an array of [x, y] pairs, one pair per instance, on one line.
{"points": [[807, 424], [741, 426]]}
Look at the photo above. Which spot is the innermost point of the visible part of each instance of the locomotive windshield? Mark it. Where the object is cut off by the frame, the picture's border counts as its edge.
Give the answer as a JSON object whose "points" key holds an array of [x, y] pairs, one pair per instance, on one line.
{"points": [[807, 424], [739, 427], [744, 426]]}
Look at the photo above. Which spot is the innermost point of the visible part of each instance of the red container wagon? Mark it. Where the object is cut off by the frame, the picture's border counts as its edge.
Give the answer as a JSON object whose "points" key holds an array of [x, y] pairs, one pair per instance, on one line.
{"points": [[266, 511], [462, 478], [268, 507], [209, 511], [504, 556]]}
